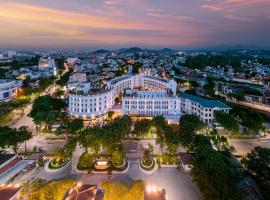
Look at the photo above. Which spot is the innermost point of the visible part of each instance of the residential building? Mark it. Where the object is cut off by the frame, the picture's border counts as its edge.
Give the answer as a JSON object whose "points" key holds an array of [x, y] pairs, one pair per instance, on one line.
{"points": [[9, 89], [203, 108]]}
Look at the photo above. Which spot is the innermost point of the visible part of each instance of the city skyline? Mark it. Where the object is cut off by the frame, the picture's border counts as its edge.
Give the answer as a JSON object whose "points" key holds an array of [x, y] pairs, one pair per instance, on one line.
{"points": [[112, 24]]}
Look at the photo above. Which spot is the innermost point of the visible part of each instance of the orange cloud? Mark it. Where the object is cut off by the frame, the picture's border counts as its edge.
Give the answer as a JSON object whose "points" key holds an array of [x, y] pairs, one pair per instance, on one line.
{"points": [[44, 14], [43, 26]]}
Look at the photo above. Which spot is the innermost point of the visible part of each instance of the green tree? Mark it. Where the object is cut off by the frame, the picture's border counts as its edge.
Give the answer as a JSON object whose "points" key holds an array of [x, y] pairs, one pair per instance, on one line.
{"points": [[121, 191], [227, 121], [188, 126], [209, 87], [58, 93], [213, 176], [10, 137], [252, 120], [110, 114], [118, 157], [220, 142], [136, 67], [41, 190], [142, 127], [64, 78], [46, 109], [71, 127], [257, 165]]}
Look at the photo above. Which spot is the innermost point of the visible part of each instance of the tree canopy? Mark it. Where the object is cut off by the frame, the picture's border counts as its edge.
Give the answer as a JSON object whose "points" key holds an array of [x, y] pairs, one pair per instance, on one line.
{"points": [[257, 165], [188, 126], [39, 189], [46, 109], [106, 137], [11, 137], [252, 120], [227, 120], [121, 191], [142, 127], [212, 175]]}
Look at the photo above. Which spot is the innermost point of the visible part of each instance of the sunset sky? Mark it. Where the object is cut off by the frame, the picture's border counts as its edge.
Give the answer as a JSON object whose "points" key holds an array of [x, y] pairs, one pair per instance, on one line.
{"points": [[112, 24]]}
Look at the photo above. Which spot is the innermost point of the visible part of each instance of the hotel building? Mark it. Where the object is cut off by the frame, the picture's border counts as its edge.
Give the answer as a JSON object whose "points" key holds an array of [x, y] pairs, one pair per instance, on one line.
{"points": [[142, 95], [203, 108]]}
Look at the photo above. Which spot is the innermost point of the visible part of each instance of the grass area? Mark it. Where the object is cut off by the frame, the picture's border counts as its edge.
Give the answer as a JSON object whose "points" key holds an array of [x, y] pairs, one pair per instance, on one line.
{"points": [[9, 112]]}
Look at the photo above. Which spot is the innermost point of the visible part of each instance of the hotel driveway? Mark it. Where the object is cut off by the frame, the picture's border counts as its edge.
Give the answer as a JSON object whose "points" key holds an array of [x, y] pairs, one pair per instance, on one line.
{"points": [[178, 186]]}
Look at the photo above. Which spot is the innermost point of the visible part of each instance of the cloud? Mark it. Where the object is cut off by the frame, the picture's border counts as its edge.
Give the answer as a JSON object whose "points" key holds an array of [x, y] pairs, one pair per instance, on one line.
{"points": [[169, 17], [238, 18], [239, 10], [130, 22], [44, 14], [115, 2]]}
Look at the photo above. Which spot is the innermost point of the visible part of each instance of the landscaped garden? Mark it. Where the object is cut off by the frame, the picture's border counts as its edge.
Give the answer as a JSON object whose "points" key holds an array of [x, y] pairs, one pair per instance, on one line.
{"points": [[58, 163], [103, 146], [63, 155], [147, 162]]}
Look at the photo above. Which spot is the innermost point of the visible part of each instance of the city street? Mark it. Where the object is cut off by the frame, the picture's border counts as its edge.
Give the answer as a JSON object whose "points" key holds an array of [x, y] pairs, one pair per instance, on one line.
{"points": [[244, 146], [43, 142]]}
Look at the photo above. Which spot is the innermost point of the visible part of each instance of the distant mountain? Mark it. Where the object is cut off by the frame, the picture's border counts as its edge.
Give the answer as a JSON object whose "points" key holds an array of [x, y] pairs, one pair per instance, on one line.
{"points": [[130, 50], [101, 51], [166, 50]]}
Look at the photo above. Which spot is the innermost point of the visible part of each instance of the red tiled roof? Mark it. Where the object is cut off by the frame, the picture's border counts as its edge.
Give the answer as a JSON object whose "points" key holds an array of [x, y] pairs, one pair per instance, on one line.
{"points": [[9, 165], [6, 192]]}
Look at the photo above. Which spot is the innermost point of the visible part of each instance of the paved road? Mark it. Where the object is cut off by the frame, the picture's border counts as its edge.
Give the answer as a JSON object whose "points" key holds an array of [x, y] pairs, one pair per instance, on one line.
{"points": [[45, 144], [246, 145]]}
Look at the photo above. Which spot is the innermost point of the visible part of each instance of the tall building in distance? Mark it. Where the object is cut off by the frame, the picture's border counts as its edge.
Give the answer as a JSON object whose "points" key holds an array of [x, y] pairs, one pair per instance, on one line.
{"points": [[47, 64]]}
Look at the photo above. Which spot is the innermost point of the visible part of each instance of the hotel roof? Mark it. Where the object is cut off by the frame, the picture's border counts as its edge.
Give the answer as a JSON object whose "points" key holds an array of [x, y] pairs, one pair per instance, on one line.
{"points": [[116, 80], [158, 78], [204, 102]]}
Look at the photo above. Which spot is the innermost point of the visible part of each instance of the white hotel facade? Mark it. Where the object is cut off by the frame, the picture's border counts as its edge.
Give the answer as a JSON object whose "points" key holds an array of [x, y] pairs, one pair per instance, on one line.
{"points": [[142, 95]]}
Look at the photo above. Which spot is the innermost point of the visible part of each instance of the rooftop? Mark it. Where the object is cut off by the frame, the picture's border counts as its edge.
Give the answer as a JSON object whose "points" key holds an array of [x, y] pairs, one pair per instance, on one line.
{"points": [[116, 80], [82, 192], [147, 94], [7, 192], [5, 157], [91, 92], [204, 102], [158, 78]]}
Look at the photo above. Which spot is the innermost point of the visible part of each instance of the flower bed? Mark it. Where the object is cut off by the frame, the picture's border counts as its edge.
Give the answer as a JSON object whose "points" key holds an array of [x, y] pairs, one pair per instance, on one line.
{"points": [[147, 164], [57, 164], [121, 167]]}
